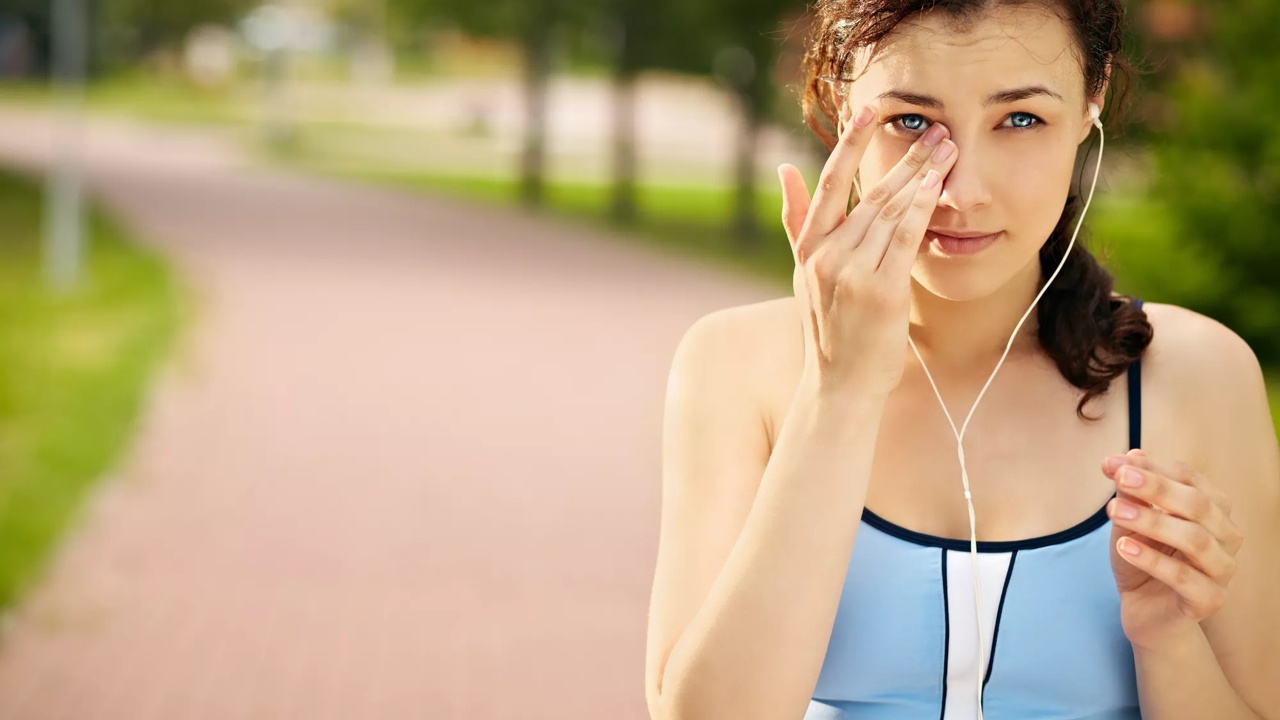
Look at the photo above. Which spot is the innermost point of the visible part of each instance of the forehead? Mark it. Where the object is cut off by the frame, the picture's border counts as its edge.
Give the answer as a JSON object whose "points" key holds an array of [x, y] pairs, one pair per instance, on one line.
{"points": [[1004, 47]]}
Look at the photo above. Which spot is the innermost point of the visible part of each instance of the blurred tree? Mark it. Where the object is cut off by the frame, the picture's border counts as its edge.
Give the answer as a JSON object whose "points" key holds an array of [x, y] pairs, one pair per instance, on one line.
{"points": [[36, 16], [143, 27], [750, 37], [534, 24], [1216, 167], [644, 35]]}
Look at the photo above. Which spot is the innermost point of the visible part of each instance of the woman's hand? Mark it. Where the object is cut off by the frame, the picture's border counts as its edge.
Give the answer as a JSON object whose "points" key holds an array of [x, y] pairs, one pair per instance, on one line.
{"points": [[853, 269], [1186, 546]]}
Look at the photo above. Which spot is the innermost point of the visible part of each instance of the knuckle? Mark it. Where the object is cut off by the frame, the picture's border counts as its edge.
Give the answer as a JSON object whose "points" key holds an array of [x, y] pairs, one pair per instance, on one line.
{"points": [[879, 195], [904, 234], [1181, 573], [919, 154], [1230, 566], [825, 264], [1182, 471], [1201, 505], [1159, 493], [894, 209], [827, 183], [1201, 541]]}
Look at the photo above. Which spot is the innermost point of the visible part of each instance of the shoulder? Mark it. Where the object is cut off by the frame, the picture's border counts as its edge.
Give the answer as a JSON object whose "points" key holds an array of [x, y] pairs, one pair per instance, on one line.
{"points": [[1214, 384], [744, 340], [1201, 359], [748, 355]]}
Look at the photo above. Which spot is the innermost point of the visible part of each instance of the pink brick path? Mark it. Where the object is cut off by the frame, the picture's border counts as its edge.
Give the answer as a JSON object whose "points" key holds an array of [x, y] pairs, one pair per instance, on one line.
{"points": [[406, 464]]}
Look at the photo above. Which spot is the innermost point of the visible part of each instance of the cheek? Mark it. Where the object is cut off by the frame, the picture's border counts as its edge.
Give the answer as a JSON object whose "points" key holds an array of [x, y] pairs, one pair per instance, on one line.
{"points": [[1035, 181]]}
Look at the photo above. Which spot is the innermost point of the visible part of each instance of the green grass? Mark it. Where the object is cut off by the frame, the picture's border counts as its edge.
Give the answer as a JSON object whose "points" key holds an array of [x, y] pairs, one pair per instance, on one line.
{"points": [[148, 96], [73, 375]]}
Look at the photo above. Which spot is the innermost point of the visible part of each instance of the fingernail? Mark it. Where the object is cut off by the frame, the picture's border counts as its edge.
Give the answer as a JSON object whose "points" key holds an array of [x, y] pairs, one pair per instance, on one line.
{"points": [[934, 135], [864, 117], [1125, 511], [1130, 477], [1112, 462], [930, 180], [943, 152]]}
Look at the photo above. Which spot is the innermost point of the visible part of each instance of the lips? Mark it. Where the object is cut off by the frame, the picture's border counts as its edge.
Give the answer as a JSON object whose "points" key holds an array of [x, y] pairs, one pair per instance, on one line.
{"points": [[963, 234]]}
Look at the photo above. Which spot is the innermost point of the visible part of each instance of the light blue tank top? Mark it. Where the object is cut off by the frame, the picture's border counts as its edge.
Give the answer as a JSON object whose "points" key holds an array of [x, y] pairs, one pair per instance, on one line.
{"points": [[903, 646]]}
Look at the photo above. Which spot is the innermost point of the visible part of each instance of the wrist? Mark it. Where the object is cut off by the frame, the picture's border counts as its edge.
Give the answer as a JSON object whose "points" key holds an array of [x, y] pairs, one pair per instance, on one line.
{"points": [[1183, 641], [836, 402], [829, 391]]}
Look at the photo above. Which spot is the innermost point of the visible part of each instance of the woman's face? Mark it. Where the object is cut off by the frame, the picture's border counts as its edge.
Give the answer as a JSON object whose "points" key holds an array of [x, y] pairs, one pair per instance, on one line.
{"points": [[1015, 156]]}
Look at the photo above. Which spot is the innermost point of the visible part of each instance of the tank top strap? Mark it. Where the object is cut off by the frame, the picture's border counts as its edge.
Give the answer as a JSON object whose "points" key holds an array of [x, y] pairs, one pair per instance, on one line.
{"points": [[1135, 397]]}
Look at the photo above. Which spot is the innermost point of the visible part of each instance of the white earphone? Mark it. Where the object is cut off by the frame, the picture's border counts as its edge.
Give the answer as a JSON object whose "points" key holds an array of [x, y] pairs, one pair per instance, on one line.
{"points": [[1094, 113]]}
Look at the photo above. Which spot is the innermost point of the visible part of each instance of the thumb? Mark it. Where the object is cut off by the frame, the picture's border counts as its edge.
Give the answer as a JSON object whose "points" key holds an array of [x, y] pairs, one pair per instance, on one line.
{"points": [[795, 202]]}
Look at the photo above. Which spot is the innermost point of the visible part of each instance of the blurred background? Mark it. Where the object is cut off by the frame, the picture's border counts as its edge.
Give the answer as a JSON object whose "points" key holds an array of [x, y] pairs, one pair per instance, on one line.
{"points": [[334, 333]]}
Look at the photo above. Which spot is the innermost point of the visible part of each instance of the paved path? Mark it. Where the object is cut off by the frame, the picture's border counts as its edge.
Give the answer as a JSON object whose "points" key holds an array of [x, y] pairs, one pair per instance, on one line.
{"points": [[406, 465]]}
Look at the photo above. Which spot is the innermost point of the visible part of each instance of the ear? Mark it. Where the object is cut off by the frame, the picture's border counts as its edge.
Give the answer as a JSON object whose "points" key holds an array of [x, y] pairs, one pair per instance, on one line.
{"points": [[1099, 100]]}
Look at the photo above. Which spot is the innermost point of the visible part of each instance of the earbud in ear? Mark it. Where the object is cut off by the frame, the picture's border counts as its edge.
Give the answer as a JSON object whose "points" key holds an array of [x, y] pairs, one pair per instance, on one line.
{"points": [[1095, 113]]}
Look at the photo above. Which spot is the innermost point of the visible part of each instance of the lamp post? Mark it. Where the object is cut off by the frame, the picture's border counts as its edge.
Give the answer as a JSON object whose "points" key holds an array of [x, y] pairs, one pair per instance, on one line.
{"points": [[64, 205]]}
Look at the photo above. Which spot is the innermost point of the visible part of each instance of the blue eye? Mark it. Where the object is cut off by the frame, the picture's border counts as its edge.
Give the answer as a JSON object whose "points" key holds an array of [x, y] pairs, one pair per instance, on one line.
{"points": [[1031, 121], [910, 130], [916, 124]]}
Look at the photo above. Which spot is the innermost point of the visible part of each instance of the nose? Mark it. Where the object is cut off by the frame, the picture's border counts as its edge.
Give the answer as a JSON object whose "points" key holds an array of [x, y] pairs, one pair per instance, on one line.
{"points": [[964, 187]]}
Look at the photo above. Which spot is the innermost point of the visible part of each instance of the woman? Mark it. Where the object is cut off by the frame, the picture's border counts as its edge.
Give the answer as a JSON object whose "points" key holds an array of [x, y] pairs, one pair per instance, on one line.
{"points": [[815, 547]]}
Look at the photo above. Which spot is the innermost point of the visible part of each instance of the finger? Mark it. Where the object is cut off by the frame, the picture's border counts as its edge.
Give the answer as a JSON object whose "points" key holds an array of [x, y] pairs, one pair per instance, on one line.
{"points": [[1181, 500], [795, 202], [1201, 547], [911, 164], [1174, 470], [830, 203], [902, 221], [1201, 596]]}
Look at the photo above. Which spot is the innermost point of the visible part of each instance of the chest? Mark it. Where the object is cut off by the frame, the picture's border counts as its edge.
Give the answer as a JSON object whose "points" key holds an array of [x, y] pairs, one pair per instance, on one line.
{"points": [[1034, 466]]}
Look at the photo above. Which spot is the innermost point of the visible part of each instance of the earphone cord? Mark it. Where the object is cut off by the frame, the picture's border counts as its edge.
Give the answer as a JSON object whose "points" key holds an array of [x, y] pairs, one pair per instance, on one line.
{"points": [[964, 473]]}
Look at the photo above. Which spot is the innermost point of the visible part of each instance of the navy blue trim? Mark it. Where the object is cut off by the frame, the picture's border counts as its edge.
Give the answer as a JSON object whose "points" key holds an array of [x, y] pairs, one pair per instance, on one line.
{"points": [[1093, 522], [995, 632], [946, 637], [1135, 397]]}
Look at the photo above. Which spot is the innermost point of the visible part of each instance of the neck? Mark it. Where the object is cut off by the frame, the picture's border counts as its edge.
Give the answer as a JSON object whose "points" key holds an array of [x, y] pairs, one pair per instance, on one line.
{"points": [[968, 338]]}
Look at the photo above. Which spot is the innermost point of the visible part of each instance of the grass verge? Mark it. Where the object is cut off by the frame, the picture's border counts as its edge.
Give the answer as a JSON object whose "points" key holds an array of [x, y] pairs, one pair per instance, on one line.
{"points": [[73, 374]]}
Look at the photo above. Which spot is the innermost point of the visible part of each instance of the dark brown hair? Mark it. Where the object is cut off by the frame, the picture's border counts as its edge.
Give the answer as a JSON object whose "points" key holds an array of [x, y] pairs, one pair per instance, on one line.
{"points": [[1091, 336]]}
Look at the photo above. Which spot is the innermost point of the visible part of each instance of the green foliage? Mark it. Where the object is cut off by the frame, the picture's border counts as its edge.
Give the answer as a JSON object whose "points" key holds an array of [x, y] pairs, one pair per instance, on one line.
{"points": [[138, 27], [1216, 170], [73, 375]]}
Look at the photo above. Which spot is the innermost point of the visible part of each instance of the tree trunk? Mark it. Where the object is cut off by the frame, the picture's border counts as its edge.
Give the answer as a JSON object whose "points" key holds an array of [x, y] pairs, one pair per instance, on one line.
{"points": [[746, 227], [537, 75], [622, 209]]}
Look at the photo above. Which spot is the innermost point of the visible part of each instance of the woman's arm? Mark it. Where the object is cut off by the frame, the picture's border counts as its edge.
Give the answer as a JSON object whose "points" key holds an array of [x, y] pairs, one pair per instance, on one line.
{"points": [[754, 547], [1228, 669]]}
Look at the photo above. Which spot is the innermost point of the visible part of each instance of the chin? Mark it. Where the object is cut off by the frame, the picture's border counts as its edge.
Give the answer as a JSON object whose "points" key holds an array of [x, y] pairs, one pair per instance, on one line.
{"points": [[965, 282]]}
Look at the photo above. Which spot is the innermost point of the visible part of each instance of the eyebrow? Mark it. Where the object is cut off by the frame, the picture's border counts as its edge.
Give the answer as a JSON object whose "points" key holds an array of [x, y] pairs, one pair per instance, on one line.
{"points": [[1004, 96]]}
